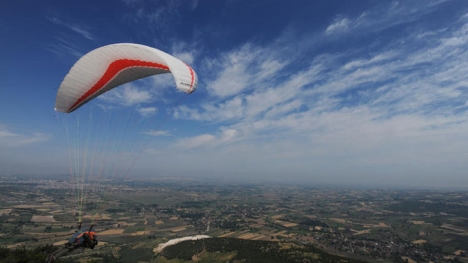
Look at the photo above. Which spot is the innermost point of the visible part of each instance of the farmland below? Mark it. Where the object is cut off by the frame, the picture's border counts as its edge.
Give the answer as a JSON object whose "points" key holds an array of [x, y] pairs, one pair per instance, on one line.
{"points": [[244, 222]]}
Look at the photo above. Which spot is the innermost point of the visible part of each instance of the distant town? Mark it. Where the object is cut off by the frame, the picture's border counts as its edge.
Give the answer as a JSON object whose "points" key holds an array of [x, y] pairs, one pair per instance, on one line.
{"points": [[133, 217]]}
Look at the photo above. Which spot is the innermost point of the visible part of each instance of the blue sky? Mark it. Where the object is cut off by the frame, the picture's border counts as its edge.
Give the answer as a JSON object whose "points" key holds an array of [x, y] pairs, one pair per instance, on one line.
{"points": [[349, 92]]}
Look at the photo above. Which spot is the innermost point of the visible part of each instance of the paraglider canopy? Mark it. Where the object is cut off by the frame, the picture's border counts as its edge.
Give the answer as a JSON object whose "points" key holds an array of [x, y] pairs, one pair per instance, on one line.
{"points": [[103, 143], [110, 66]]}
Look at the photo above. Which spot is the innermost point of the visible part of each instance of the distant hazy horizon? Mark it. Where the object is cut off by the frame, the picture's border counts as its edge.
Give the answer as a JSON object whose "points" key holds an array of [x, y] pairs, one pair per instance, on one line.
{"points": [[224, 181]]}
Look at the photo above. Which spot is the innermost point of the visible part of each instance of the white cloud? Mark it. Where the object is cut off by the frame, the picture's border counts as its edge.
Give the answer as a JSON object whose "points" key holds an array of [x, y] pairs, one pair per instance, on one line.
{"points": [[157, 133], [9, 138], [159, 85], [243, 69], [5, 133], [264, 99], [148, 111], [194, 142], [128, 95], [228, 135], [340, 24], [184, 51], [224, 137], [186, 57]]}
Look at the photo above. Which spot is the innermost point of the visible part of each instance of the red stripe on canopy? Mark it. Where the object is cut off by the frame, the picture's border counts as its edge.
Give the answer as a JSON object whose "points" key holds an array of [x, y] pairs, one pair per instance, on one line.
{"points": [[112, 71], [193, 78]]}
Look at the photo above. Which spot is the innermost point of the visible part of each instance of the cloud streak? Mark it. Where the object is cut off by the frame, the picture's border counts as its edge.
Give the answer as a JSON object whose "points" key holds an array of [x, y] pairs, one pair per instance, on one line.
{"points": [[129, 95], [9, 138], [379, 18], [158, 133], [225, 137], [78, 29]]}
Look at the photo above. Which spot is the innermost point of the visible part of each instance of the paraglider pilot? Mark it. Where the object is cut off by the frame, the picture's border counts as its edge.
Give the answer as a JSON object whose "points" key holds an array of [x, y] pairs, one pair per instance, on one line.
{"points": [[86, 239]]}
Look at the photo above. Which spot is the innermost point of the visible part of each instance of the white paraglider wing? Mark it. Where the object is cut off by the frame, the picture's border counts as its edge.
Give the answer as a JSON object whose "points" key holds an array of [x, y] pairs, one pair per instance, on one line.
{"points": [[110, 66]]}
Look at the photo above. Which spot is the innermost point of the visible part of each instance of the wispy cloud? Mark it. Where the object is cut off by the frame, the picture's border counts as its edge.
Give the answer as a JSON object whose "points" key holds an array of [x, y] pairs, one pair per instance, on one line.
{"points": [[158, 133], [194, 142], [160, 17], [76, 28], [62, 46], [71, 38], [224, 137], [398, 102], [380, 17], [243, 69], [5, 133], [10, 138], [129, 95], [82, 31], [340, 24], [184, 51], [145, 95], [148, 111]]}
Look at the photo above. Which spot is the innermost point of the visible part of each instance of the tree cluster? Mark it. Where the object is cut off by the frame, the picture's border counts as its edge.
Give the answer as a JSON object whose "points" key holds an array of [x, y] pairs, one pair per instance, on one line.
{"points": [[252, 251], [23, 255]]}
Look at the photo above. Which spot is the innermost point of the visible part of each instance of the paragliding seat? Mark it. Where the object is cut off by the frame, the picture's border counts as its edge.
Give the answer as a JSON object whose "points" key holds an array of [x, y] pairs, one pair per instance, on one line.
{"points": [[89, 241]]}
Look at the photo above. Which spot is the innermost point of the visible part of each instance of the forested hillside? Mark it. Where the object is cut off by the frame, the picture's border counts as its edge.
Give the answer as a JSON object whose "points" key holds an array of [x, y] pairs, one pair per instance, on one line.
{"points": [[250, 251]]}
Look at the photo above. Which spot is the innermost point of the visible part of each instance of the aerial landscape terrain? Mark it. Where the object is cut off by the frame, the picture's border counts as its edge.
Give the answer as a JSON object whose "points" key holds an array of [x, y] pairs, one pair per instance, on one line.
{"points": [[323, 223]]}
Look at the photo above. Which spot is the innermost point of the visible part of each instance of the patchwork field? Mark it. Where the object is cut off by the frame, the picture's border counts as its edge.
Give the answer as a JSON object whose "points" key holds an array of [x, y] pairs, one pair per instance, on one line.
{"points": [[42, 219], [358, 223]]}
